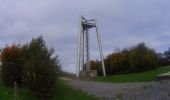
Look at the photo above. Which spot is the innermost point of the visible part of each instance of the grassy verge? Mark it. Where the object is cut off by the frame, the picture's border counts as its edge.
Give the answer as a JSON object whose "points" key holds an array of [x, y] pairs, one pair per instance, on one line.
{"points": [[65, 92], [135, 77], [8, 94], [5, 93], [62, 92]]}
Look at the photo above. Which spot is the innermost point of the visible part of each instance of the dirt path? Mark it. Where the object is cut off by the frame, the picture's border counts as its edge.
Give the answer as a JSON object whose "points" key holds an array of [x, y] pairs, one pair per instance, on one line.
{"points": [[106, 91]]}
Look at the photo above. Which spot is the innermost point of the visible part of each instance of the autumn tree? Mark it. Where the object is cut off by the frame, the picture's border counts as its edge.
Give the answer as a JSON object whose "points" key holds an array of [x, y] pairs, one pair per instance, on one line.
{"points": [[117, 62], [134, 59], [11, 58], [142, 58]]}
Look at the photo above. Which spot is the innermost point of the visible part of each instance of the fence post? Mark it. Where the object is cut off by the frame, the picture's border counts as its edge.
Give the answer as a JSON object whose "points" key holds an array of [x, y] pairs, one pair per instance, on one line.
{"points": [[16, 91]]}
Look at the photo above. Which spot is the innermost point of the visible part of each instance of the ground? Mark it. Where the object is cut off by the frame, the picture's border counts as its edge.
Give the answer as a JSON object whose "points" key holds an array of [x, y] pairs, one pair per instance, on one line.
{"points": [[105, 90], [142, 86], [124, 91]]}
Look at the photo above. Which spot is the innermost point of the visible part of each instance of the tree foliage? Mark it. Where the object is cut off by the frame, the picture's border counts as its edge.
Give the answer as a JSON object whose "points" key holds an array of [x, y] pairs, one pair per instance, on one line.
{"points": [[134, 59], [11, 58], [142, 58], [32, 65], [96, 65], [40, 68], [166, 57]]}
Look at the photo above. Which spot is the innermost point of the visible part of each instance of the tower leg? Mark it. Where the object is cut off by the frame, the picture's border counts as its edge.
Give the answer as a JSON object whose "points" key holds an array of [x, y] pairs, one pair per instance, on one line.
{"points": [[79, 49], [82, 55], [87, 51], [100, 48]]}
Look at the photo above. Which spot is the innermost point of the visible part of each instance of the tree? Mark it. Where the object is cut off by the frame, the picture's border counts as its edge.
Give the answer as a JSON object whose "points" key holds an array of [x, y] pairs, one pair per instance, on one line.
{"points": [[142, 58], [11, 58], [160, 59], [96, 65], [134, 59], [40, 68], [117, 62], [166, 57]]}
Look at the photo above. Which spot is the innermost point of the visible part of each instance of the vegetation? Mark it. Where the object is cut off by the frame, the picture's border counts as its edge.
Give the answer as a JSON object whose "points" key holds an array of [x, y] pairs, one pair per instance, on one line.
{"points": [[135, 77], [134, 59], [35, 69], [62, 92], [166, 57], [33, 66], [40, 68], [6, 93], [12, 65]]}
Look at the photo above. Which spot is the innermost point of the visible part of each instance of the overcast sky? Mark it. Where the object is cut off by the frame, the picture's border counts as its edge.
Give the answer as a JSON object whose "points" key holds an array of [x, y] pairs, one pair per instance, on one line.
{"points": [[122, 23]]}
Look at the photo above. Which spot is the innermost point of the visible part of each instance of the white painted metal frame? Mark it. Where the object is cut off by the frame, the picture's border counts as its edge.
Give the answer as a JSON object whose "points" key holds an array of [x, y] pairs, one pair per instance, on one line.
{"points": [[81, 44]]}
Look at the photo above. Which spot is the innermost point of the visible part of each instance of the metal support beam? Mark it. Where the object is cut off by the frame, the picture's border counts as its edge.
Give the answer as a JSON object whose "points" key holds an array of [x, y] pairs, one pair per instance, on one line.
{"points": [[100, 48], [82, 55], [79, 49], [87, 51]]}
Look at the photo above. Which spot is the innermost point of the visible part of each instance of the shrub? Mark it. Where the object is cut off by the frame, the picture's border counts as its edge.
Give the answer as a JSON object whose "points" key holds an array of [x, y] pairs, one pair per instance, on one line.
{"points": [[40, 68]]}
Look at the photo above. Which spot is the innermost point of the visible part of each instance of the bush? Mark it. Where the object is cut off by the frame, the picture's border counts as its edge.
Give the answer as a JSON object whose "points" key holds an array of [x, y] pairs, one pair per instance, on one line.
{"points": [[40, 68], [11, 58]]}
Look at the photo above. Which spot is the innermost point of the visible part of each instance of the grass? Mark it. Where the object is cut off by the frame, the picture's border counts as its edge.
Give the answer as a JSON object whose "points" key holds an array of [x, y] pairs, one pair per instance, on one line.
{"points": [[135, 77], [62, 92], [5, 93]]}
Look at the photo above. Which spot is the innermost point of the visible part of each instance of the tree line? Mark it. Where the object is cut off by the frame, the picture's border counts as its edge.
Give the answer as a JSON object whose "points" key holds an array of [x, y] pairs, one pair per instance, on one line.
{"points": [[137, 58]]}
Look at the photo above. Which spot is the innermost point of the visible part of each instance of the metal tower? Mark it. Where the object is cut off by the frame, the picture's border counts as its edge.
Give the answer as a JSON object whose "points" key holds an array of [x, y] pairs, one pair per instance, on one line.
{"points": [[83, 44]]}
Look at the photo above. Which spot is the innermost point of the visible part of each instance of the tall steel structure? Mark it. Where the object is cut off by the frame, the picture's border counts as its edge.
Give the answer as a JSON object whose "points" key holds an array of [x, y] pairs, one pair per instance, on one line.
{"points": [[83, 45]]}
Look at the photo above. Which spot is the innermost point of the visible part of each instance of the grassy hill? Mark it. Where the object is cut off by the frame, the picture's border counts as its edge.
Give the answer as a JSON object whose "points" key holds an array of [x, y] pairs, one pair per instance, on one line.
{"points": [[135, 77]]}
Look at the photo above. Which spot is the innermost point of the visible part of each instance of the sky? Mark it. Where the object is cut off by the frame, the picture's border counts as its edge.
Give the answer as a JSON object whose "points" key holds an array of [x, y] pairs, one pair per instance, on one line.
{"points": [[122, 24]]}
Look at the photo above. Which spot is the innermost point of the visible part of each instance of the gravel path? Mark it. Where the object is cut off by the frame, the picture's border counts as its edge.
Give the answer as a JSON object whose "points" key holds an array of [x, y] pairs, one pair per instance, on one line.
{"points": [[106, 91]]}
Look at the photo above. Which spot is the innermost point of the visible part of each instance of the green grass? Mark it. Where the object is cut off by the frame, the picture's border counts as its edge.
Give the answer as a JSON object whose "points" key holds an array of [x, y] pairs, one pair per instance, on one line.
{"points": [[62, 92], [65, 92], [135, 77], [5, 93]]}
